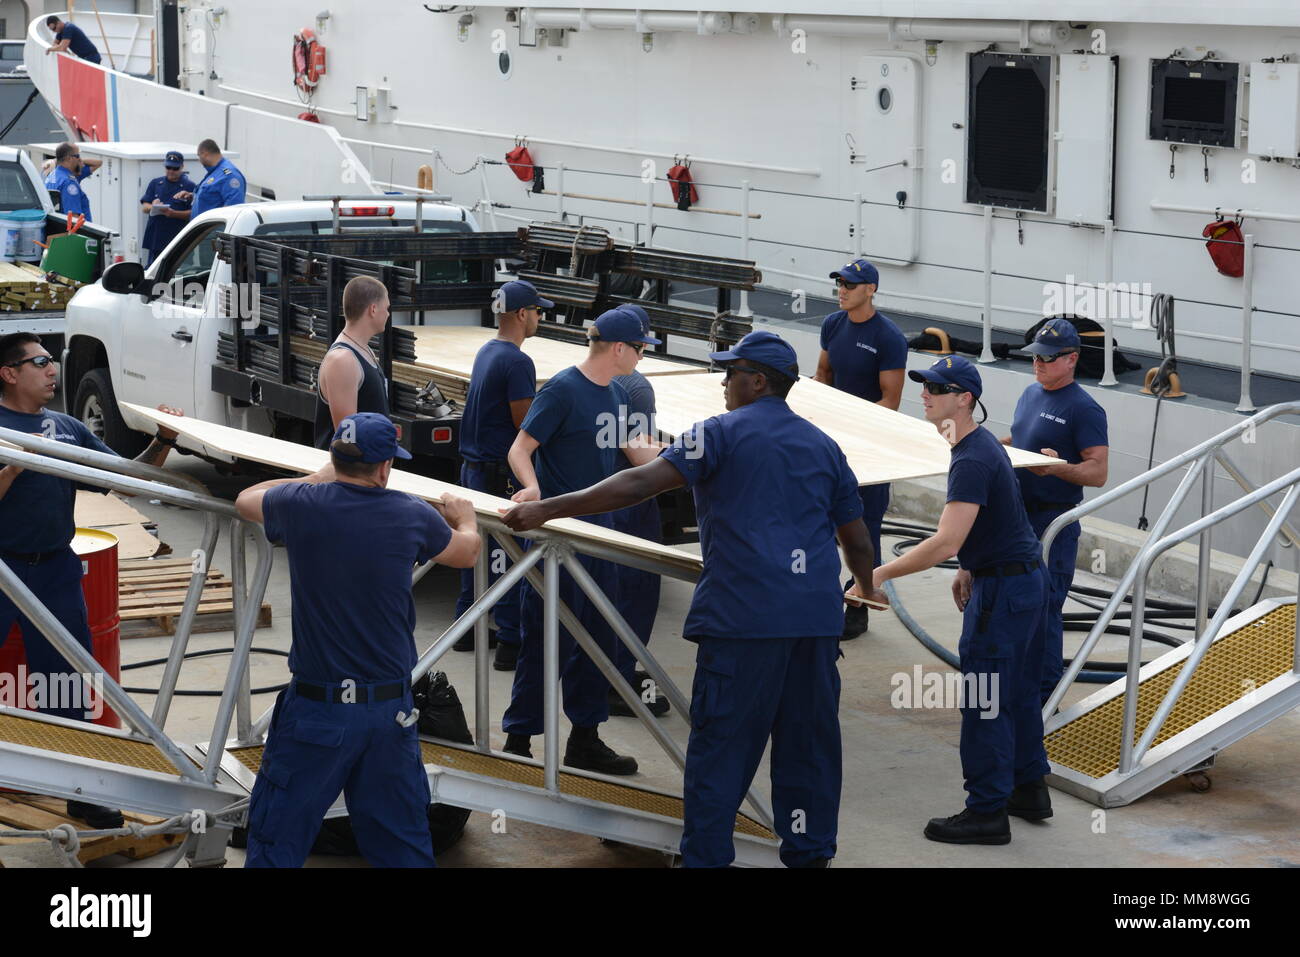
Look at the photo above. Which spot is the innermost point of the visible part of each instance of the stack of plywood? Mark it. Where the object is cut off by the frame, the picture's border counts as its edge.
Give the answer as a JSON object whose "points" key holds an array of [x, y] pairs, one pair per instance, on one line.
{"points": [[25, 288], [451, 350], [110, 513]]}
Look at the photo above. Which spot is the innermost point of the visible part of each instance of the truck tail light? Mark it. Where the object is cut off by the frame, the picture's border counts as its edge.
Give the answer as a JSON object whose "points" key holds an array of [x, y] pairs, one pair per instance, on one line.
{"points": [[442, 435], [366, 211]]}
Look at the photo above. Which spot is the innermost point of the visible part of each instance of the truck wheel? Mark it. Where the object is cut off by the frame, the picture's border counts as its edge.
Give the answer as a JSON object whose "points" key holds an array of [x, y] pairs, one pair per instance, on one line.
{"points": [[95, 406]]}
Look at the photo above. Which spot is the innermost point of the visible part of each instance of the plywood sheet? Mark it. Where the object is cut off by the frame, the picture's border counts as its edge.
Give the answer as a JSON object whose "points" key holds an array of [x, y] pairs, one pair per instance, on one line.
{"points": [[452, 349], [95, 510], [133, 541], [881, 445], [302, 458]]}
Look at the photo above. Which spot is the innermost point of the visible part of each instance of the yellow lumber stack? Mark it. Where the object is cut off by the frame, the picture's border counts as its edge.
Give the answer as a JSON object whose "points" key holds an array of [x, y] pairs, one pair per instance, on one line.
{"points": [[25, 288]]}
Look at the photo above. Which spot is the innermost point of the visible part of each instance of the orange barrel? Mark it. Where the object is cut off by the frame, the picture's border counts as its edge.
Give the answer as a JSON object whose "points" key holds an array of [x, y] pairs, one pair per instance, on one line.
{"points": [[98, 552]]}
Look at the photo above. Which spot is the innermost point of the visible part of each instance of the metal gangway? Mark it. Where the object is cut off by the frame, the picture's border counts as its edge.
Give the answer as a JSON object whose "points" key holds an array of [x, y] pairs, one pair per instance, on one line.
{"points": [[141, 768], [1172, 715]]}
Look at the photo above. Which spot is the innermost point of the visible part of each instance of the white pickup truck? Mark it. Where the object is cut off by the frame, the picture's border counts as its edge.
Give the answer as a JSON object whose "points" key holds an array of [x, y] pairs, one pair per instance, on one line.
{"points": [[21, 187], [151, 336]]}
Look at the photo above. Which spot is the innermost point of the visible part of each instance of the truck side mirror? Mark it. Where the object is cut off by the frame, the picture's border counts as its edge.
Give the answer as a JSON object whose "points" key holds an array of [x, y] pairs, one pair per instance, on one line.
{"points": [[123, 278]]}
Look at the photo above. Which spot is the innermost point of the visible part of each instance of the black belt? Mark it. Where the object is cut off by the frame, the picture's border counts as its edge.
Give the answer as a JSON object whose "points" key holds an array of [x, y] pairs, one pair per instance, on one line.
{"points": [[1005, 569], [486, 466], [32, 558], [360, 694], [1048, 506]]}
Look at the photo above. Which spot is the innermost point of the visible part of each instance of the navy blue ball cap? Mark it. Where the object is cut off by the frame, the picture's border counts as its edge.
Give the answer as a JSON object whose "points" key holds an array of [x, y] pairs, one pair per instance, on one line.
{"points": [[858, 271], [519, 293], [1055, 335], [619, 325], [173, 160], [765, 347], [951, 370], [374, 436], [642, 316]]}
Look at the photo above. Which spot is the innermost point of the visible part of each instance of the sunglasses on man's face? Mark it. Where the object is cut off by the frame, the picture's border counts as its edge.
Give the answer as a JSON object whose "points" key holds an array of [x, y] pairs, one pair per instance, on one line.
{"points": [[730, 370], [1048, 360], [39, 361], [845, 284], [941, 388]]}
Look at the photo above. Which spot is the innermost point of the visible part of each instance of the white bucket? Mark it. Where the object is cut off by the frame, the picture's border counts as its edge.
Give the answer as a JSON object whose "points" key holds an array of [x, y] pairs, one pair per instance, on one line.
{"points": [[28, 248], [11, 231]]}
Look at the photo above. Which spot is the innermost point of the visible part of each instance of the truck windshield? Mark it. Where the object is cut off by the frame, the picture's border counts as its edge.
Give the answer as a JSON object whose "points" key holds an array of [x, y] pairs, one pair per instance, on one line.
{"points": [[16, 190]]}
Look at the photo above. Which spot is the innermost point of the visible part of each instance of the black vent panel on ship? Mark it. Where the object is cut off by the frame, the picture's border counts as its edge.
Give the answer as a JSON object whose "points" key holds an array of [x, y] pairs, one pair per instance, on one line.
{"points": [[1008, 119]]}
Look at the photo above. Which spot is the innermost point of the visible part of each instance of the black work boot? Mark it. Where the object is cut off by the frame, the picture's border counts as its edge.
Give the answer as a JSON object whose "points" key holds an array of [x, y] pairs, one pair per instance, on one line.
{"points": [[1031, 801], [855, 617], [520, 744], [640, 681], [855, 621], [587, 752], [970, 827], [466, 641], [507, 657], [100, 818]]}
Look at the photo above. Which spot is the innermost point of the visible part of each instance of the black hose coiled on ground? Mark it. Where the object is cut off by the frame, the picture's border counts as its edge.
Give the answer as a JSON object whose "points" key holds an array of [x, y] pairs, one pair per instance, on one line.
{"points": [[1095, 672]]}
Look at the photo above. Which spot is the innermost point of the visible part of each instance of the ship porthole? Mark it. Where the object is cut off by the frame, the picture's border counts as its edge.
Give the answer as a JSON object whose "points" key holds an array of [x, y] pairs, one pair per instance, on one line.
{"points": [[884, 99], [504, 64]]}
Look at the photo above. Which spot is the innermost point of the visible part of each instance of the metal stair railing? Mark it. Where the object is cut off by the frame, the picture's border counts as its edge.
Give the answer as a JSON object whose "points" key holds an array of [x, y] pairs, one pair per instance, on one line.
{"points": [[555, 551], [1199, 461], [1130, 754], [137, 478]]}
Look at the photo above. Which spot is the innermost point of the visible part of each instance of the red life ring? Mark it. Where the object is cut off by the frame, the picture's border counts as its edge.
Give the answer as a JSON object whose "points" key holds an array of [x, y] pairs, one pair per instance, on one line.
{"points": [[308, 60]]}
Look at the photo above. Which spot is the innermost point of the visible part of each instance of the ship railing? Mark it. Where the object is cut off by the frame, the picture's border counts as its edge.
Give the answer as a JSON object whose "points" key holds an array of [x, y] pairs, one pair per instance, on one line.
{"points": [[124, 40], [1199, 464], [748, 215], [101, 470]]}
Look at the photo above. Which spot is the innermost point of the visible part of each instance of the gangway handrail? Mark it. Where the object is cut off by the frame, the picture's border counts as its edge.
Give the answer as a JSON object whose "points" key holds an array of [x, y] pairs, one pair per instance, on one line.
{"points": [[1129, 753], [211, 528], [1198, 458], [56, 458]]}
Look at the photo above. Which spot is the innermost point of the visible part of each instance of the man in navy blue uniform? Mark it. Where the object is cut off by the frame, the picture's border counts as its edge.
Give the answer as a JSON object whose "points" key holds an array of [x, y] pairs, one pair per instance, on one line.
{"points": [[160, 204], [767, 611], [222, 185], [1057, 417], [346, 722], [501, 389], [37, 524], [863, 354], [70, 170], [638, 591], [577, 429], [1000, 589], [69, 36]]}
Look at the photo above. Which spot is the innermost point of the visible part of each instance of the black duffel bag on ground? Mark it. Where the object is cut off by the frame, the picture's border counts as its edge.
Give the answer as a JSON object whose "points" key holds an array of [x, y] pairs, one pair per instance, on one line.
{"points": [[442, 716]]}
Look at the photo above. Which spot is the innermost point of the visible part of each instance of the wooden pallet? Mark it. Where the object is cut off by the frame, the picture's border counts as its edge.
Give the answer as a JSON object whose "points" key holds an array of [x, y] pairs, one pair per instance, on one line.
{"points": [[34, 812], [151, 592]]}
